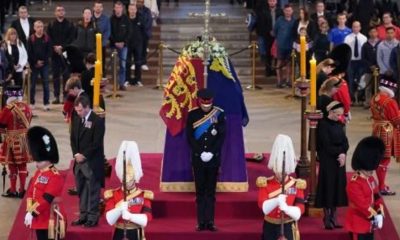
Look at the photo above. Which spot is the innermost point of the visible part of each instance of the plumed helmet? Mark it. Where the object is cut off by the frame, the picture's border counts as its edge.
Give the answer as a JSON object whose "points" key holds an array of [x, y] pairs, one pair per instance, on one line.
{"points": [[42, 145], [282, 143], [368, 153], [133, 162]]}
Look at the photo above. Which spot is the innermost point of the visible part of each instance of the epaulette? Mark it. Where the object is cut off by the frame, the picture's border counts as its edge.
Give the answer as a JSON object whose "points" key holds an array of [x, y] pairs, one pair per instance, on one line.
{"points": [[220, 109], [148, 194], [301, 184], [261, 182], [108, 194]]}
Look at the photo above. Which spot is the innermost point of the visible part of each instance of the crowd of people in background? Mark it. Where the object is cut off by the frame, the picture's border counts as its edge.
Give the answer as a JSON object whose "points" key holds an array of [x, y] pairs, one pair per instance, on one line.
{"points": [[368, 27], [59, 48]]}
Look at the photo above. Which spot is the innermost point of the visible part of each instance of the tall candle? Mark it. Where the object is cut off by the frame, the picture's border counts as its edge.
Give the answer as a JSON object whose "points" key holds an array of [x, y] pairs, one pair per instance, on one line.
{"points": [[96, 84], [313, 82], [99, 46], [302, 56]]}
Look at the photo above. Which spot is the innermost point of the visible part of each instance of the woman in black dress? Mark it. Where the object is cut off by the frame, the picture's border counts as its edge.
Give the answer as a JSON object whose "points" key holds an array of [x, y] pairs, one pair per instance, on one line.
{"points": [[332, 149]]}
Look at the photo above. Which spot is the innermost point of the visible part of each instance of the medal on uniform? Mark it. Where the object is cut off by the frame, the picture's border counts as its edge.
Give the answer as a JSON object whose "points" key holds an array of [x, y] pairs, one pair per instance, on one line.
{"points": [[214, 132]]}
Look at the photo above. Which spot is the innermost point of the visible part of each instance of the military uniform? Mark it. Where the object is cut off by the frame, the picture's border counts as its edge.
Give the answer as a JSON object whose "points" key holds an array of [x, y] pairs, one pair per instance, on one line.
{"points": [[386, 124], [365, 203], [43, 196], [44, 211], [270, 188], [139, 201], [15, 119], [205, 132]]}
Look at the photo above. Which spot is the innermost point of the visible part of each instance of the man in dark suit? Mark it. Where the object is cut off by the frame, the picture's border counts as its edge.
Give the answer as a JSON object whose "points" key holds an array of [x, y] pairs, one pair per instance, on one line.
{"points": [[23, 25], [266, 17], [205, 129], [87, 135], [320, 11]]}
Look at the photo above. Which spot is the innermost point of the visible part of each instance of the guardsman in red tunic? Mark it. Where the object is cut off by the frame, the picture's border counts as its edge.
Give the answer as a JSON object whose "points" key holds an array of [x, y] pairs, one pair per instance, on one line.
{"points": [[386, 126], [365, 211], [272, 201], [15, 119], [130, 216], [44, 212]]}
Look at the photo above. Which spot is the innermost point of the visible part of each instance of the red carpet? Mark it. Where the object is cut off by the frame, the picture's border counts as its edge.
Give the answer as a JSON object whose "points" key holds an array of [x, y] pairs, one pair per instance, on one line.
{"points": [[237, 214]]}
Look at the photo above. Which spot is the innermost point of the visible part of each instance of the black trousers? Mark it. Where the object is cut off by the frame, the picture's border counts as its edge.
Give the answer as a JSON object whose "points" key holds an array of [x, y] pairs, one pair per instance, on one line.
{"points": [[272, 231], [144, 48], [42, 234], [134, 50], [131, 234], [269, 41], [59, 68], [365, 236], [88, 188], [206, 182]]}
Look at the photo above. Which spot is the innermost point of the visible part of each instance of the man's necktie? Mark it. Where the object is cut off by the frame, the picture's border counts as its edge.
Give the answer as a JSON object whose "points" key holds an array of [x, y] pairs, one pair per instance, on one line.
{"points": [[356, 47]]}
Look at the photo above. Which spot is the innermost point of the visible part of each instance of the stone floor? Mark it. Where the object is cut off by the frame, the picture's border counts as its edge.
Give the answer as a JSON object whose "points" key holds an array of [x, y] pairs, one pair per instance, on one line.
{"points": [[135, 117]]}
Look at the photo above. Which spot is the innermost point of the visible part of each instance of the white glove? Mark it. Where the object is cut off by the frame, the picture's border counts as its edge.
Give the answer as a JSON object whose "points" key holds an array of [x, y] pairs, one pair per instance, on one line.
{"points": [[139, 219], [114, 214], [28, 219], [203, 157], [269, 205], [379, 221], [210, 155], [292, 211], [123, 206], [282, 199]]}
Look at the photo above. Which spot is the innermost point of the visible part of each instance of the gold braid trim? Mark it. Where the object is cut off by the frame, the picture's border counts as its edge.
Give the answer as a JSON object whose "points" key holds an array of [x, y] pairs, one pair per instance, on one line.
{"points": [[261, 182], [372, 212], [28, 204]]}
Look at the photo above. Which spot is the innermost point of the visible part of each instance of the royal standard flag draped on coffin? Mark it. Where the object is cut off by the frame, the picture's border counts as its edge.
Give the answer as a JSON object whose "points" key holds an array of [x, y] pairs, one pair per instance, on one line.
{"points": [[180, 93]]}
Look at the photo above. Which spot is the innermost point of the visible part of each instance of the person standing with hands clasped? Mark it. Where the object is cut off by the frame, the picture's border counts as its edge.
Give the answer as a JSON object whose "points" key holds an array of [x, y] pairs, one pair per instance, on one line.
{"points": [[128, 207], [365, 213], [273, 201], [87, 136], [332, 145], [205, 129]]}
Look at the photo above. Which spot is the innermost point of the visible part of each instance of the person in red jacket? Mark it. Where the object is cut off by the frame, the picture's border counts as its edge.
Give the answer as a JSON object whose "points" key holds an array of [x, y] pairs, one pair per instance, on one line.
{"points": [[15, 119], [386, 125], [44, 212], [365, 212], [272, 201], [343, 96], [128, 210]]}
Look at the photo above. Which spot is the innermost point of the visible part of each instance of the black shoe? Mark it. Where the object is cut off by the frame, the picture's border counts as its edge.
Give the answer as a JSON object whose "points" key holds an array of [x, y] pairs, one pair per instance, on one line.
{"points": [[56, 101], [200, 227], [90, 224], [79, 222], [9, 194], [211, 227], [72, 191], [387, 192], [21, 194]]}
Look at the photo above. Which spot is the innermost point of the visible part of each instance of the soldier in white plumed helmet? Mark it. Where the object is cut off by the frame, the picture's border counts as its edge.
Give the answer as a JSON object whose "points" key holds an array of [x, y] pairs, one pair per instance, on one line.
{"points": [[273, 201], [128, 208]]}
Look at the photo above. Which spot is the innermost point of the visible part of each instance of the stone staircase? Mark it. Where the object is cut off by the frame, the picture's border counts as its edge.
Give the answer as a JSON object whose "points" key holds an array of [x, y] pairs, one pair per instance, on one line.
{"points": [[179, 29]]}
